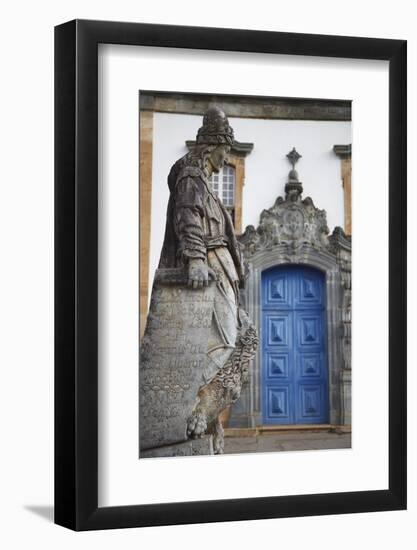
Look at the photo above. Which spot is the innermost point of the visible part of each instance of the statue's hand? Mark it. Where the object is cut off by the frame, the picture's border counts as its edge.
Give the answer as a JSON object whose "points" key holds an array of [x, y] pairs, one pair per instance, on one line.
{"points": [[199, 273]]}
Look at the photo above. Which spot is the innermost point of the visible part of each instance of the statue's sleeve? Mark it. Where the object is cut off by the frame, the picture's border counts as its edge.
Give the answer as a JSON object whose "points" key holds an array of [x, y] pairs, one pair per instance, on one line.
{"points": [[189, 216]]}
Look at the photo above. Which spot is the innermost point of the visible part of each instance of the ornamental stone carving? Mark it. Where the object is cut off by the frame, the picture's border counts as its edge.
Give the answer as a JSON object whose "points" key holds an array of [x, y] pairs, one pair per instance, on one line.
{"points": [[289, 222], [292, 222]]}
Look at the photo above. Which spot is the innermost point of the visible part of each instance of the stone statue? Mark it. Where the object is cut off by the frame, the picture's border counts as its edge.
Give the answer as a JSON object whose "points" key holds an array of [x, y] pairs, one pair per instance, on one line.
{"points": [[198, 341]]}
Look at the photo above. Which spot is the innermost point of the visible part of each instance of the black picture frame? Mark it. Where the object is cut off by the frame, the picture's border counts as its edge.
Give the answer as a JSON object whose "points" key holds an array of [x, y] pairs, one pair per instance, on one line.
{"points": [[76, 272]]}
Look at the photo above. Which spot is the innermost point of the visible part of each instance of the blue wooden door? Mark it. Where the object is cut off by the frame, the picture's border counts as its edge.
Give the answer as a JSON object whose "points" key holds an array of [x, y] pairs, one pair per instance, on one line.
{"points": [[294, 362]]}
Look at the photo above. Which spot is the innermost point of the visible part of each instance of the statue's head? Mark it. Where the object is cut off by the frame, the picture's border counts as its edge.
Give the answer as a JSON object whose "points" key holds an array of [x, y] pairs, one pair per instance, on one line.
{"points": [[215, 138], [215, 129]]}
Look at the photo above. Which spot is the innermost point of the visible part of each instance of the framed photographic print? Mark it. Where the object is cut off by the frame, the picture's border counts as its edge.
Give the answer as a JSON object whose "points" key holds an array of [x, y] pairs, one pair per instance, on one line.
{"points": [[230, 275]]}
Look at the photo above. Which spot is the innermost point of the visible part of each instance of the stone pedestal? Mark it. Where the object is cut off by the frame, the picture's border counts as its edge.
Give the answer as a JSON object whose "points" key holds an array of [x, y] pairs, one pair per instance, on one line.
{"points": [[173, 362]]}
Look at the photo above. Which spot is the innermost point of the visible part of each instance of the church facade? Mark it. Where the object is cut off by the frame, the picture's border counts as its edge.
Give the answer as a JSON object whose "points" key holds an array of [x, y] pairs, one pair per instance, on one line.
{"points": [[295, 237]]}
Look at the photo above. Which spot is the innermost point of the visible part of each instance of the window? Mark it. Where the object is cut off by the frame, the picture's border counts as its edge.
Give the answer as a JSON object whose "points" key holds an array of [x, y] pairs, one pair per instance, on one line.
{"points": [[224, 186]]}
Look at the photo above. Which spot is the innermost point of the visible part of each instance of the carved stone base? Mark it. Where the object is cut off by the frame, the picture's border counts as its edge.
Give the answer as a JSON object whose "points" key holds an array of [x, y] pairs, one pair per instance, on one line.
{"points": [[192, 447], [173, 361]]}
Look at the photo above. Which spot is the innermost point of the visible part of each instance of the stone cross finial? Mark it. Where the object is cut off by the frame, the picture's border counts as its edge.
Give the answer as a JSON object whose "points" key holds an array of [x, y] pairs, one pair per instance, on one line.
{"points": [[293, 188], [293, 156]]}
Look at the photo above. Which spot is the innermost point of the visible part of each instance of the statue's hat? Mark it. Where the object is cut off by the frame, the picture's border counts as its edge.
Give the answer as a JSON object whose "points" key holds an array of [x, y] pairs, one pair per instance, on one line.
{"points": [[215, 129]]}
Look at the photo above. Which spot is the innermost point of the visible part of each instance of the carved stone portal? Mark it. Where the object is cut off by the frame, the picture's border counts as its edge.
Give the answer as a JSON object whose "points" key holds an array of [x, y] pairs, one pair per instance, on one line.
{"points": [[294, 231]]}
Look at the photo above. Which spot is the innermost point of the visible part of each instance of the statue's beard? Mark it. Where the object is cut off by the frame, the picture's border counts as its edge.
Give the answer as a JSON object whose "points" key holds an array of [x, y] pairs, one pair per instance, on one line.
{"points": [[215, 167]]}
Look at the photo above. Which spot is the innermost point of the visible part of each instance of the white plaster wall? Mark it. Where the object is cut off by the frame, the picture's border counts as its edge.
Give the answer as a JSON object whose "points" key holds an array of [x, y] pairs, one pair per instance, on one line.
{"points": [[266, 167]]}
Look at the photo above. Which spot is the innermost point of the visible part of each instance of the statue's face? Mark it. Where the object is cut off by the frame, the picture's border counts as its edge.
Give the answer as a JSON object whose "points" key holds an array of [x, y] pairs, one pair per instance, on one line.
{"points": [[219, 156]]}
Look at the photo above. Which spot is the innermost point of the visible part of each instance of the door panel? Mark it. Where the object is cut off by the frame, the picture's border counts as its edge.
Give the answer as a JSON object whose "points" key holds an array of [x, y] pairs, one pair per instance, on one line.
{"points": [[277, 365], [310, 403], [279, 330], [309, 330], [294, 361], [311, 365], [278, 292], [278, 404], [310, 290]]}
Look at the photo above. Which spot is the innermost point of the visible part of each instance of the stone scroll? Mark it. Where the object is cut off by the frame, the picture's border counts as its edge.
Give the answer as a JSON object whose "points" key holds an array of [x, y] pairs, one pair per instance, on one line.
{"points": [[173, 358]]}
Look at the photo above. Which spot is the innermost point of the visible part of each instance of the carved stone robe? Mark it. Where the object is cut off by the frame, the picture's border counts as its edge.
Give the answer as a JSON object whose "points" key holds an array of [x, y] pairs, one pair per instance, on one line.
{"points": [[199, 226], [197, 221]]}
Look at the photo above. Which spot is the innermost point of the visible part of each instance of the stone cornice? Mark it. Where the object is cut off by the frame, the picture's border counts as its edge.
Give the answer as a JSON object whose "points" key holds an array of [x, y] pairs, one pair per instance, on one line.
{"points": [[343, 151], [247, 106]]}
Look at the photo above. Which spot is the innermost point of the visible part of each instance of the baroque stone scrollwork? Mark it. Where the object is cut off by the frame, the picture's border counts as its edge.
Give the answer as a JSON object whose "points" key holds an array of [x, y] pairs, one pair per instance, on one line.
{"points": [[290, 223], [224, 390]]}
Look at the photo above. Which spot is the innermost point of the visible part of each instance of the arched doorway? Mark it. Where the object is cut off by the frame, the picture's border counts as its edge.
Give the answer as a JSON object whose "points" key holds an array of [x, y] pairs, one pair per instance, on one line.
{"points": [[293, 235], [294, 363]]}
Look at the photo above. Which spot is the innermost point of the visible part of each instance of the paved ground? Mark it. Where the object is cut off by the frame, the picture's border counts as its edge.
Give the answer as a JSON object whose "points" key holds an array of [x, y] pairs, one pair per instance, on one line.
{"points": [[287, 441]]}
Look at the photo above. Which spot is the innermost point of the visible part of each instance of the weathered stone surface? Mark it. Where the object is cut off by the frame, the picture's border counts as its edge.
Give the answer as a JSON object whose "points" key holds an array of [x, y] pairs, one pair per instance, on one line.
{"points": [[247, 106], [198, 342], [173, 362], [192, 447]]}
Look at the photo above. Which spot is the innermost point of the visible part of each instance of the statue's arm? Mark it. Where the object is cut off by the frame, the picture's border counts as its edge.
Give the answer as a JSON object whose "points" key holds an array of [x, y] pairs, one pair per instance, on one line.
{"points": [[189, 227], [189, 214]]}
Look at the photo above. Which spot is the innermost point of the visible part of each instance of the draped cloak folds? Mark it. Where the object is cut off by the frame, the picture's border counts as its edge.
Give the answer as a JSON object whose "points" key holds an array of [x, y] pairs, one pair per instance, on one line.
{"points": [[188, 232], [198, 226]]}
